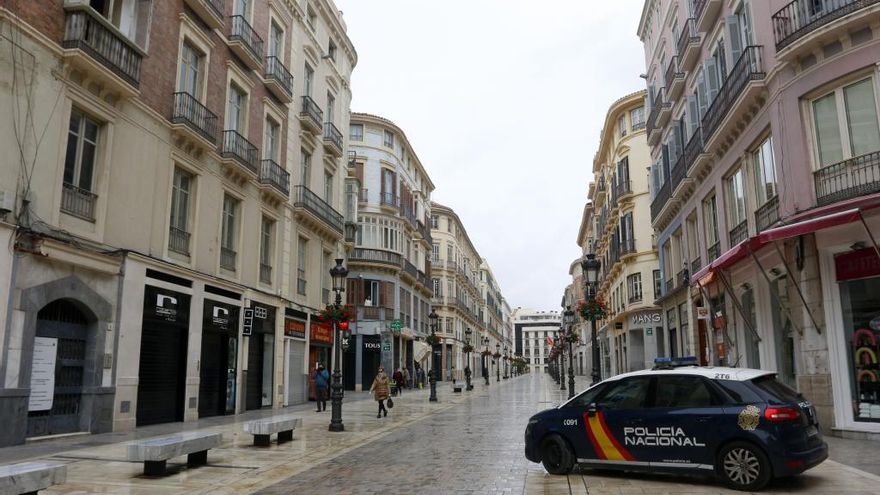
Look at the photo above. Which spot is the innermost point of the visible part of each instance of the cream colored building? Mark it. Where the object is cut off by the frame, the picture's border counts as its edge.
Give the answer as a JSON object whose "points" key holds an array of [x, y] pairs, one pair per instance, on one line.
{"points": [[186, 172], [532, 329], [617, 229]]}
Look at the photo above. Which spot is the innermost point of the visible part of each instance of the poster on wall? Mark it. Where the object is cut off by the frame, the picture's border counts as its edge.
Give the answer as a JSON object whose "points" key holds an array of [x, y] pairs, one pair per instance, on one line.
{"points": [[43, 374]]}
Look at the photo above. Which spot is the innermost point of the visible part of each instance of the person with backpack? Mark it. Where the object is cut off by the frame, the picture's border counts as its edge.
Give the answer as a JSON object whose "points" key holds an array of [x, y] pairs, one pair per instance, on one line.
{"points": [[322, 383]]}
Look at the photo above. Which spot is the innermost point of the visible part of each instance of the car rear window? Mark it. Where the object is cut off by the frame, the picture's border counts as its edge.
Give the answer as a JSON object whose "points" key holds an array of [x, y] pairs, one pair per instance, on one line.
{"points": [[775, 391], [739, 392]]}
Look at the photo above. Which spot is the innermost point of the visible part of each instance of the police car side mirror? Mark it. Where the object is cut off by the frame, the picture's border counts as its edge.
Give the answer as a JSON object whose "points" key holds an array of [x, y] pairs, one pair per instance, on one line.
{"points": [[592, 409]]}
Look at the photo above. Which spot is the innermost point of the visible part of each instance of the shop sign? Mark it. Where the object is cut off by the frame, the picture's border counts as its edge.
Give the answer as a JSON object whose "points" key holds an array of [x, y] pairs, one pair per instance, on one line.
{"points": [[862, 263], [649, 331], [294, 328], [247, 326], [702, 313], [372, 346], [321, 332], [43, 374], [646, 318], [219, 316], [165, 305]]}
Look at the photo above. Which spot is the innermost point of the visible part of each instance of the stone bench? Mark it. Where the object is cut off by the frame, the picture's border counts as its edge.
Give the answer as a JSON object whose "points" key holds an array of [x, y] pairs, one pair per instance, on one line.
{"points": [[456, 388], [154, 452], [30, 477], [262, 429]]}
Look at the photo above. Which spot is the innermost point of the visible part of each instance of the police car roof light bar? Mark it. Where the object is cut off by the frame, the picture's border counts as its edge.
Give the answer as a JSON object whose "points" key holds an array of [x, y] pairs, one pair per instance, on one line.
{"points": [[668, 363]]}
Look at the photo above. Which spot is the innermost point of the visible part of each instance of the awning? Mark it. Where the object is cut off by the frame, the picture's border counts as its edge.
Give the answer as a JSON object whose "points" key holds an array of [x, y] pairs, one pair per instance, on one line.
{"points": [[730, 257], [420, 350], [809, 226]]}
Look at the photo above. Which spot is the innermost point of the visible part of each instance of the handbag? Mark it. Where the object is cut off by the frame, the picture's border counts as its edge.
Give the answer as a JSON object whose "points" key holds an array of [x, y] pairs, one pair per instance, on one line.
{"points": [[390, 403]]}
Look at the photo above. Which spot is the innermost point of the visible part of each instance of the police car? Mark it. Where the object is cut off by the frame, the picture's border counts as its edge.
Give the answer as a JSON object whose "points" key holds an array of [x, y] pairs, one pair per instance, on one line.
{"points": [[741, 425]]}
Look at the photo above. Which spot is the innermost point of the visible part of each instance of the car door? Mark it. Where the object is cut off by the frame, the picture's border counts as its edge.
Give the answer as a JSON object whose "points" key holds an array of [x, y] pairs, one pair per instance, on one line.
{"points": [[682, 426], [571, 422], [615, 412]]}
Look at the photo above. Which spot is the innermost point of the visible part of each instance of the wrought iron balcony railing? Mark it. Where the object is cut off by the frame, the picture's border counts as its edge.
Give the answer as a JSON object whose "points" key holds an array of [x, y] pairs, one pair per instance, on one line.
{"points": [[748, 68], [851, 178], [78, 202], [243, 32], [275, 176], [689, 34], [627, 246], [275, 70], [265, 273], [84, 31], [178, 240], [673, 71], [739, 233], [801, 17], [189, 111], [683, 277], [227, 258], [693, 149], [696, 264], [304, 198], [375, 256], [714, 251], [767, 214], [333, 136], [389, 199], [241, 150], [363, 195], [311, 111], [660, 200]]}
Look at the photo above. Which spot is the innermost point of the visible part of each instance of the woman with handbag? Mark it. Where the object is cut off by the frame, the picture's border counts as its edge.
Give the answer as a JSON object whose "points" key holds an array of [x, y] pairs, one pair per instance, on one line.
{"points": [[381, 391]]}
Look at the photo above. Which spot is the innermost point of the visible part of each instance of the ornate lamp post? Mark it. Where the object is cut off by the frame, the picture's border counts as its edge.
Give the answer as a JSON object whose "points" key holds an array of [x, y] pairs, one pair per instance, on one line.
{"points": [[590, 267], [432, 376], [506, 358], [486, 360], [569, 321], [562, 360], [497, 362], [468, 370], [339, 273]]}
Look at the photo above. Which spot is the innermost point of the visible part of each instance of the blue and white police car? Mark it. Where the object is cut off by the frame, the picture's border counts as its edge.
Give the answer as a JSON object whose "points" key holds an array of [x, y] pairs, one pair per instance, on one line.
{"points": [[740, 425]]}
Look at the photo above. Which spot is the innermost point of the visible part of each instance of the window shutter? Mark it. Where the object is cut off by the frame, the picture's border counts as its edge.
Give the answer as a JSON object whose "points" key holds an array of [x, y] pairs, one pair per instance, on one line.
{"points": [[677, 140], [693, 110], [359, 173], [712, 83], [702, 95], [733, 34], [665, 171]]}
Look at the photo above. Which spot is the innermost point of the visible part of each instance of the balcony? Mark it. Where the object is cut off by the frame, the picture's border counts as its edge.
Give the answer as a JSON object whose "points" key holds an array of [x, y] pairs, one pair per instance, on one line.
{"points": [[178, 241], [100, 52], [425, 232], [351, 229], [658, 117], [694, 157], [227, 259], [275, 178], [193, 120], [238, 150], [389, 200], [425, 281], [688, 45], [848, 179], [374, 313], [279, 80], [245, 42], [660, 200], [637, 298], [668, 287], [811, 22], [322, 214], [674, 80], [696, 265], [734, 104], [408, 214], [623, 188], [78, 202], [706, 12], [713, 252], [627, 246], [311, 116], [209, 11], [739, 233], [410, 270], [378, 256], [265, 273], [767, 215], [363, 195], [332, 139], [683, 277]]}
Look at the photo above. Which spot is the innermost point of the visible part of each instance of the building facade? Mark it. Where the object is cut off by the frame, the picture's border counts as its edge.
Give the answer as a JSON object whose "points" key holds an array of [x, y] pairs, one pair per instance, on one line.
{"points": [[764, 131], [534, 334], [181, 176], [389, 280]]}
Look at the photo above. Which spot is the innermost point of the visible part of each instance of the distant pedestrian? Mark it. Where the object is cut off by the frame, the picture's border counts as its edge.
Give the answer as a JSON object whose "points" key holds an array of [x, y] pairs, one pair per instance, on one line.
{"points": [[406, 377], [398, 380], [420, 377], [322, 382], [381, 391]]}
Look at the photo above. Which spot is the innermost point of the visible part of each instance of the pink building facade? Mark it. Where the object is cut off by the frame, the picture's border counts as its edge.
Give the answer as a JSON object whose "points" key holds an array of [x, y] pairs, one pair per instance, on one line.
{"points": [[763, 126]]}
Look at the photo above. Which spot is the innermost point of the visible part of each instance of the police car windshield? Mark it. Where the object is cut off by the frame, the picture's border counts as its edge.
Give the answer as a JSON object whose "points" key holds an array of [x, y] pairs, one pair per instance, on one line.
{"points": [[775, 391]]}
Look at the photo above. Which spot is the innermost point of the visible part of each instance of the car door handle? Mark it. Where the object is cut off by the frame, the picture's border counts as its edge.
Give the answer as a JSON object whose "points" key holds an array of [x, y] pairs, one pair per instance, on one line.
{"points": [[704, 419], [637, 421]]}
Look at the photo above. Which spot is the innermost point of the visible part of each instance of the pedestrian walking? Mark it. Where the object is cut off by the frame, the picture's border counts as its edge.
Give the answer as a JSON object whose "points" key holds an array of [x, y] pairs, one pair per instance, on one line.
{"points": [[380, 390], [322, 382], [406, 379], [398, 380], [420, 377]]}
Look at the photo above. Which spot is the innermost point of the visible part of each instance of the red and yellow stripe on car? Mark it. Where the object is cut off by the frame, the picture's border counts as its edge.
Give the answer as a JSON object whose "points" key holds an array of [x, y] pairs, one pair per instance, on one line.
{"points": [[604, 444]]}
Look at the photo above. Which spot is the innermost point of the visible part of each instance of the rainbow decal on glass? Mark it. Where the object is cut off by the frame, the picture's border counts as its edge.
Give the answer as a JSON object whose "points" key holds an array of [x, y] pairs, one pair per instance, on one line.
{"points": [[604, 444]]}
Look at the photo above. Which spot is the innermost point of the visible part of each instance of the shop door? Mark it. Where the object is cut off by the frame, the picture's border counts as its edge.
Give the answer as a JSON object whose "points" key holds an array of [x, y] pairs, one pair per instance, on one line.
{"points": [[62, 330], [162, 374], [296, 380], [369, 367], [214, 374], [349, 366], [254, 399]]}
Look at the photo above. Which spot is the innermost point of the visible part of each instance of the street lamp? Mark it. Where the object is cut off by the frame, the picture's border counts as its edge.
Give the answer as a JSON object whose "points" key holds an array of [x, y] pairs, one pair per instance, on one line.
{"points": [[468, 370], [432, 376], [339, 274], [590, 267], [505, 362], [562, 358], [569, 322], [486, 360], [497, 363]]}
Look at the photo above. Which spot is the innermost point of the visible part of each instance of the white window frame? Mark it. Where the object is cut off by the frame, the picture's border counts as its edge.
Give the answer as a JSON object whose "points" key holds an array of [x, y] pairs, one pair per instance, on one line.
{"points": [[842, 120]]}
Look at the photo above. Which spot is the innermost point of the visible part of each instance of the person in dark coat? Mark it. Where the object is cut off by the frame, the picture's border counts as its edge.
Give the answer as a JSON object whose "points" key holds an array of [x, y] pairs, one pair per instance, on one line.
{"points": [[381, 391], [399, 381], [322, 383]]}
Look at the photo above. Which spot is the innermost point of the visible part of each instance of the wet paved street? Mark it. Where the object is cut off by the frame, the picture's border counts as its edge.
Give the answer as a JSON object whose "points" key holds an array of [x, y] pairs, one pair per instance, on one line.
{"points": [[468, 443]]}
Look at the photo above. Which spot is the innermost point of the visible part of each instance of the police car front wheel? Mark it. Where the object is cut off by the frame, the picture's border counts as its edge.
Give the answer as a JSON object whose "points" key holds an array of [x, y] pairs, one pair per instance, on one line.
{"points": [[556, 455], [743, 466]]}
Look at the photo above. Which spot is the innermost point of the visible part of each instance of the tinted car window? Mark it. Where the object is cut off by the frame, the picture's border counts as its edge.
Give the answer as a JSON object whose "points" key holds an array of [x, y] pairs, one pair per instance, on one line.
{"points": [[629, 393], [586, 398], [775, 391], [738, 392], [682, 391]]}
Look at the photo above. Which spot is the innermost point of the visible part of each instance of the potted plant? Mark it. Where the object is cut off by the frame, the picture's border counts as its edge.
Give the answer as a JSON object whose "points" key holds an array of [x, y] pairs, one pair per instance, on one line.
{"points": [[467, 348], [592, 310], [432, 340], [334, 314]]}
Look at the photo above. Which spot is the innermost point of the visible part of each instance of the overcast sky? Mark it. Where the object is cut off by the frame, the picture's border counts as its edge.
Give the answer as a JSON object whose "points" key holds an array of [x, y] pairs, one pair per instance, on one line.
{"points": [[503, 102]]}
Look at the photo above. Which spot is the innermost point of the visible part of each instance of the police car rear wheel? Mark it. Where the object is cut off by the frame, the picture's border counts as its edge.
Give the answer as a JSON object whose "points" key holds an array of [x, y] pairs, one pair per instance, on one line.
{"points": [[743, 466], [556, 456]]}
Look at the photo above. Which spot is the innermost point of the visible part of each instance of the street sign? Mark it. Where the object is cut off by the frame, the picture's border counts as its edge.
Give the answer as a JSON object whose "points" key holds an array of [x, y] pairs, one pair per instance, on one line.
{"points": [[386, 346], [247, 321], [649, 331], [396, 325]]}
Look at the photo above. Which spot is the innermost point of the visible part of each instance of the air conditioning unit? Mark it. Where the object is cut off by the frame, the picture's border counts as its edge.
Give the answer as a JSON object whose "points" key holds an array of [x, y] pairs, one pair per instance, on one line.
{"points": [[7, 201]]}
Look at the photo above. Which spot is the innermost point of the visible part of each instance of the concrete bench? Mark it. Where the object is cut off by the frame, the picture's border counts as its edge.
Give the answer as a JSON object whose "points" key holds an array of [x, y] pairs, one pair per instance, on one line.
{"points": [[30, 477], [154, 452], [456, 388], [262, 429]]}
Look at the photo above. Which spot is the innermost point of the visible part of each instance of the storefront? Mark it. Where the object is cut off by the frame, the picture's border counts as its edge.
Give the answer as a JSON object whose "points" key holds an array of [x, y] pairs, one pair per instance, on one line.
{"points": [[644, 329], [162, 373], [320, 350], [371, 359], [260, 358], [296, 381], [218, 364]]}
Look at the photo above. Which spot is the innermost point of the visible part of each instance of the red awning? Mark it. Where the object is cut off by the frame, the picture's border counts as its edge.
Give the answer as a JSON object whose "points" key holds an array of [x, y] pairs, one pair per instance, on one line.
{"points": [[730, 257], [809, 226]]}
